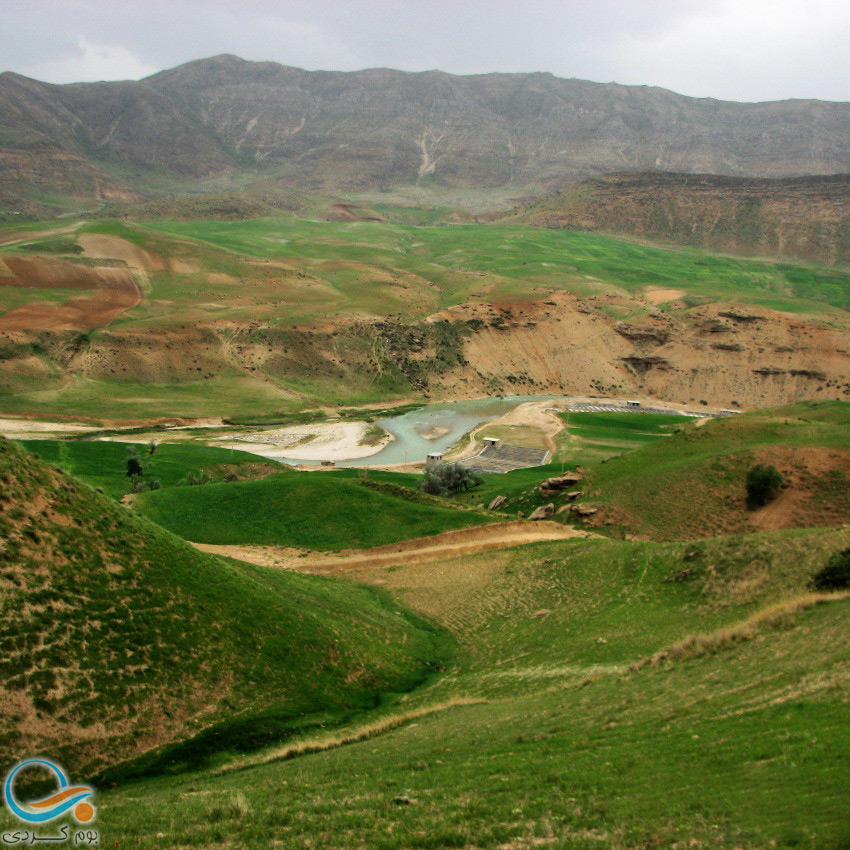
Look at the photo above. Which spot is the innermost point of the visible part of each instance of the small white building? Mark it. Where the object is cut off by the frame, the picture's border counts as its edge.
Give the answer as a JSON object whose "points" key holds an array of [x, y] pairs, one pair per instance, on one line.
{"points": [[434, 458], [491, 441]]}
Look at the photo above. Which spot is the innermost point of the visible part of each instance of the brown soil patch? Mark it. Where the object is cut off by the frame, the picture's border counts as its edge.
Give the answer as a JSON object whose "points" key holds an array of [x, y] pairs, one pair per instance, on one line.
{"points": [[817, 491], [114, 292], [658, 295], [40, 273], [349, 212], [465, 541], [102, 246]]}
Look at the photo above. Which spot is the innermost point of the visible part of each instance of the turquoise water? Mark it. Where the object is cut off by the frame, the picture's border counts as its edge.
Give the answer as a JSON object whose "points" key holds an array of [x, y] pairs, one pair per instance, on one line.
{"points": [[410, 446]]}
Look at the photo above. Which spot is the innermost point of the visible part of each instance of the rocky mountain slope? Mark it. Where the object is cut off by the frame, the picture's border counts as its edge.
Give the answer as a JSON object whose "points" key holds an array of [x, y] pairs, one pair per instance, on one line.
{"points": [[806, 217], [223, 116]]}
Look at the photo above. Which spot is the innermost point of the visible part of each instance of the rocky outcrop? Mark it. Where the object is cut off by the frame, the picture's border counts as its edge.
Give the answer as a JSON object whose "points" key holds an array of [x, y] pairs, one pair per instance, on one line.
{"points": [[561, 482], [543, 512]]}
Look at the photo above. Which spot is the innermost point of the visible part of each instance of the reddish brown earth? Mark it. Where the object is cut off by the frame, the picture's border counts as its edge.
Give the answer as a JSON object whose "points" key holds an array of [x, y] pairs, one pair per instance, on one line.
{"points": [[113, 291], [350, 212]]}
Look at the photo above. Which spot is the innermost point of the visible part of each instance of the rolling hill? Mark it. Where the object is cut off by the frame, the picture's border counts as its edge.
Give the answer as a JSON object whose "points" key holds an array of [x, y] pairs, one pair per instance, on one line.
{"points": [[596, 700], [279, 314], [119, 639], [693, 483]]}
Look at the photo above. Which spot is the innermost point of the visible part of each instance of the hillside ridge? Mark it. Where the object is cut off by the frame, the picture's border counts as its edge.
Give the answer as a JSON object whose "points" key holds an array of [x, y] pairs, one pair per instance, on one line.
{"points": [[333, 130], [805, 218]]}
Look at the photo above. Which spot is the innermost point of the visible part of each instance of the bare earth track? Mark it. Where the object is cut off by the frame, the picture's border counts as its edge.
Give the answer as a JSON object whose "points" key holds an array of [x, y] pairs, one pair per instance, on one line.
{"points": [[466, 541]]}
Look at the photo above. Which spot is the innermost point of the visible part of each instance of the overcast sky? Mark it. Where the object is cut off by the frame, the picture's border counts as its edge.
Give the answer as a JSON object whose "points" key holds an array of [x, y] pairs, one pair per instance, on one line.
{"points": [[728, 49]]}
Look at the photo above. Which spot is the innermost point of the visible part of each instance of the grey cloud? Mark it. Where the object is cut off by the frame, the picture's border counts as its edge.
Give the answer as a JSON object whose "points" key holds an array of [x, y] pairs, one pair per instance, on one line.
{"points": [[759, 49]]}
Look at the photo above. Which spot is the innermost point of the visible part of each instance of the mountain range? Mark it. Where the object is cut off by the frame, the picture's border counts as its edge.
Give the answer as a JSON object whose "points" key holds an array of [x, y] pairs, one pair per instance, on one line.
{"points": [[224, 122]]}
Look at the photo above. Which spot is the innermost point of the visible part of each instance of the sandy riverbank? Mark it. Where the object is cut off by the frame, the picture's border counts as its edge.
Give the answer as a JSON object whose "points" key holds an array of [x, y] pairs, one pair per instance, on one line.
{"points": [[317, 441], [25, 429]]}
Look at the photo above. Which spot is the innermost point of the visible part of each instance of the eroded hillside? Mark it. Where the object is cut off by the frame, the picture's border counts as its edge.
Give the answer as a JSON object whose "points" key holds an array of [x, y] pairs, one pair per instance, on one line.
{"points": [[807, 218], [123, 321]]}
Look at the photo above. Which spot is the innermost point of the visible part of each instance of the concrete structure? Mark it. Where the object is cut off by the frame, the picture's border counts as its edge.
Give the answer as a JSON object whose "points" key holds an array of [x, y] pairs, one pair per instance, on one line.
{"points": [[505, 458]]}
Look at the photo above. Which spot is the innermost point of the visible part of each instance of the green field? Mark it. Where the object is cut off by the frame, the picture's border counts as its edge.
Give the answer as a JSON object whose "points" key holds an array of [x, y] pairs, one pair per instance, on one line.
{"points": [[590, 438], [324, 511], [519, 260], [101, 463], [309, 268]]}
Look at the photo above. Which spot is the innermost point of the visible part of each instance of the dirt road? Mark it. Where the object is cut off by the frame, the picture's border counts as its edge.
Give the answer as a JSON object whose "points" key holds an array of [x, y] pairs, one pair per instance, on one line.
{"points": [[465, 541]]}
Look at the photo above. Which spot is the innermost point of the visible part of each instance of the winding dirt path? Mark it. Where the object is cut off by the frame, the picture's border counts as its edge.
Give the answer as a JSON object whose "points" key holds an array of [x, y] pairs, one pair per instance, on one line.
{"points": [[32, 235], [466, 541]]}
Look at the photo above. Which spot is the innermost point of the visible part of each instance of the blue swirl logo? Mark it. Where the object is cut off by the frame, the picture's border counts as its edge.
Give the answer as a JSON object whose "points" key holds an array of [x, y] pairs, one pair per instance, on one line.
{"points": [[68, 798]]}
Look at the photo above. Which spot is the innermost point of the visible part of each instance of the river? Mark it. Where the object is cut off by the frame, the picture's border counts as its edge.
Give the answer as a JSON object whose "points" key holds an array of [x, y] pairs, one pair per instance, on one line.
{"points": [[433, 428]]}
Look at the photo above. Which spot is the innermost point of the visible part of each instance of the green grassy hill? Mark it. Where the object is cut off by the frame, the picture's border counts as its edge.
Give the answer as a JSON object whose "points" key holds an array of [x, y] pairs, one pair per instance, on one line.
{"points": [[607, 693], [326, 511], [117, 638], [693, 484], [279, 314]]}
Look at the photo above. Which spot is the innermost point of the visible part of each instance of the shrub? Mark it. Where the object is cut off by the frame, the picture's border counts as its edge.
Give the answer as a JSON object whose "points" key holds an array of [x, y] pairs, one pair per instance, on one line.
{"points": [[763, 483], [447, 478], [197, 478], [835, 575]]}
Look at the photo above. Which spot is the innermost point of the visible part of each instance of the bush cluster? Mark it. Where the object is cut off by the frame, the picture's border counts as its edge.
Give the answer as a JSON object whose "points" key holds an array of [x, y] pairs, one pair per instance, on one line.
{"points": [[444, 479], [835, 575]]}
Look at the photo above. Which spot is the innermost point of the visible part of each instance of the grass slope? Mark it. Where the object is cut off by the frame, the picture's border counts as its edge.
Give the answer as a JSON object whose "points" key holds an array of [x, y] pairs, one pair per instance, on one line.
{"points": [[117, 638], [516, 258], [325, 511], [692, 484], [235, 314], [547, 733]]}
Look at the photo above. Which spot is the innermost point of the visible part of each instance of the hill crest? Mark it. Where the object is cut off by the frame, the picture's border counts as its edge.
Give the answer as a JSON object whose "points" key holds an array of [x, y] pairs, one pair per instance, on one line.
{"points": [[331, 130]]}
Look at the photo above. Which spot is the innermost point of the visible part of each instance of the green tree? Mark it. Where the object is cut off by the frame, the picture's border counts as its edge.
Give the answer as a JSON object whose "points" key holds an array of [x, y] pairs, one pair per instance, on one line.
{"points": [[763, 483], [135, 467]]}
